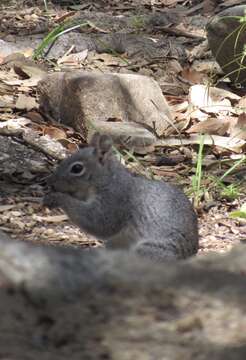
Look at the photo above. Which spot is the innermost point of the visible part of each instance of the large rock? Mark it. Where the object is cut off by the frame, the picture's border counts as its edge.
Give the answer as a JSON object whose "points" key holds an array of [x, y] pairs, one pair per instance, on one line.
{"points": [[227, 39], [82, 100], [57, 303]]}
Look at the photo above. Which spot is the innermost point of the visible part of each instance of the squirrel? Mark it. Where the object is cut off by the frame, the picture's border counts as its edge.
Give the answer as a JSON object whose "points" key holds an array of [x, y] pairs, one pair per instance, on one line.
{"points": [[128, 211]]}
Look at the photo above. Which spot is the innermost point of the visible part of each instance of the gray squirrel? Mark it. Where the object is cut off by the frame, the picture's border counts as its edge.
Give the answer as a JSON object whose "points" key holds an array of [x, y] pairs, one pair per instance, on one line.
{"points": [[127, 211]]}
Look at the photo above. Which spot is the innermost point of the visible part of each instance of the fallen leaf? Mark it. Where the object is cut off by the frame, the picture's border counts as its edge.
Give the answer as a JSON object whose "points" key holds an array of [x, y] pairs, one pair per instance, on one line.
{"points": [[106, 59], [35, 116], [197, 114], [69, 145], [27, 68], [242, 103], [30, 72], [51, 219], [5, 88], [238, 130], [213, 126], [25, 102], [211, 100], [178, 107], [7, 101], [233, 144], [54, 132], [169, 2], [13, 82], [75, 58], [175, 67], [192, 75], [13, 126], [6, 207], [28, 53]]}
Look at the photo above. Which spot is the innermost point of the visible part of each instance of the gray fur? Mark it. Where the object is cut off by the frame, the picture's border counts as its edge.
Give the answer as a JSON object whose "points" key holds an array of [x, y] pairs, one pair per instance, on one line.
{"points": [[153, 218]]}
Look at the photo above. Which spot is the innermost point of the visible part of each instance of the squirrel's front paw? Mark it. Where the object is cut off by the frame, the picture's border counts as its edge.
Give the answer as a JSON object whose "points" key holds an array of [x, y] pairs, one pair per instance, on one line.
{"points": [[53, 200]]}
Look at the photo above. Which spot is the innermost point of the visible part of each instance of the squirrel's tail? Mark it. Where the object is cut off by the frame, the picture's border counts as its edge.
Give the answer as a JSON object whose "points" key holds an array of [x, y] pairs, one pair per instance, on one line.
{"points": [[175, 247]]}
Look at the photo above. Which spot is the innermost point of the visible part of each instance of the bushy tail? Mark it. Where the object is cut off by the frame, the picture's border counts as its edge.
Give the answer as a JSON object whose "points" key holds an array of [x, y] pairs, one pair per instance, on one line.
{"points": [[174, 247]]}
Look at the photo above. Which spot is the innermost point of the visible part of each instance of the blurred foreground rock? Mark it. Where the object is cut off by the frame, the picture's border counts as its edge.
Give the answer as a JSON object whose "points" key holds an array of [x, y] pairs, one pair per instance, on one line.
{"points": [[58, 303], [131, 105]]}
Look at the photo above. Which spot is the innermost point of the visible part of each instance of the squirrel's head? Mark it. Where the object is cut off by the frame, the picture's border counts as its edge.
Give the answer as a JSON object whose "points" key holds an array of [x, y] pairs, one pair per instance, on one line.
{"points": [[81, 173]]}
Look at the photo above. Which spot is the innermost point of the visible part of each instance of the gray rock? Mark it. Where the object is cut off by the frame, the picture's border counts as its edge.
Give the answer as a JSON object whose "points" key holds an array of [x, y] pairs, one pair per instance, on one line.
{"points": [[227, 39], [86, 101]]}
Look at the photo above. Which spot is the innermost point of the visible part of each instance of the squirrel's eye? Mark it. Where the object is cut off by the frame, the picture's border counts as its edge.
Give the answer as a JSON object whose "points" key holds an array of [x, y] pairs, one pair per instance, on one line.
{"points": [[77, 169]]}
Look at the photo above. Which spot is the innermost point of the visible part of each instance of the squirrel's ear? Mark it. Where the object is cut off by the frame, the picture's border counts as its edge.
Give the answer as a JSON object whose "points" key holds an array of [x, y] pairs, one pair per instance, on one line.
{"points": [[102, 144]]}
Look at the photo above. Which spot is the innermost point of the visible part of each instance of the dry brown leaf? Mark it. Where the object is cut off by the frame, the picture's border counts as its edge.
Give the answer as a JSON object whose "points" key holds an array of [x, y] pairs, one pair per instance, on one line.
{"points": [[238, 130], [34, 116], [242, 103], [198, 115], [192, 75], [13, 82], [7, 101], [51, 218], [211, 100], [73, 59], [175, 67], [54, 132], [179, 107], [45, 143], [34, 74], [195, 31], [60, 17], [25, 102], [106, 59], [27, 68], [13, 126], [5, 88], [169, 2], [30, 72], [69, 145], [213, 126], [233, 144], [7, 207], [28, 52]]}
